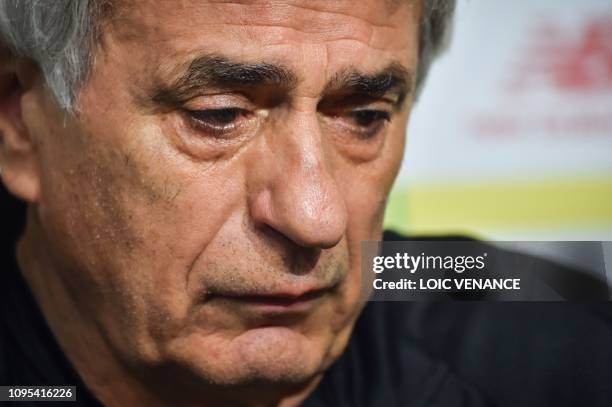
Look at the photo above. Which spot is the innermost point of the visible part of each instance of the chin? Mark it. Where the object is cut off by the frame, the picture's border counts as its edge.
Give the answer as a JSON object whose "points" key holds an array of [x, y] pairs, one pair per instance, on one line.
{"points": [[268, 355]]}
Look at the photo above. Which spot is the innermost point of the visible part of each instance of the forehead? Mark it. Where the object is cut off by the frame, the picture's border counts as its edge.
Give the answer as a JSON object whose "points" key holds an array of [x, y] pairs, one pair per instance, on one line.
{"points": [[307, 16], [328, 31]]}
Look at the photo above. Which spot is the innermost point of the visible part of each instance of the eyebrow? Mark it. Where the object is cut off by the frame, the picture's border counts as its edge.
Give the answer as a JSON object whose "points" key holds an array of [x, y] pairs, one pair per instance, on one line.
{"points": [[394, 78], [218, 72]]}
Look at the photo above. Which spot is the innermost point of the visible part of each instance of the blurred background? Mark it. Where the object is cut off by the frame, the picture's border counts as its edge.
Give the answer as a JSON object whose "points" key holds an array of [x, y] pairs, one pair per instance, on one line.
{"points": [[511, 138]]}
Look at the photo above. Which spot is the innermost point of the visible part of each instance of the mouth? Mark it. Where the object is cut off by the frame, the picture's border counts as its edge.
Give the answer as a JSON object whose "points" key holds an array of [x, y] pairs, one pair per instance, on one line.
{"points": [[274, 303]]}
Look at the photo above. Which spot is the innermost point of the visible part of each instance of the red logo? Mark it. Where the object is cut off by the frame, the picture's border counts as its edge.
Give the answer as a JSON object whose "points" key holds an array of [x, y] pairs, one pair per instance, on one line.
{"points": [[569, 60]]}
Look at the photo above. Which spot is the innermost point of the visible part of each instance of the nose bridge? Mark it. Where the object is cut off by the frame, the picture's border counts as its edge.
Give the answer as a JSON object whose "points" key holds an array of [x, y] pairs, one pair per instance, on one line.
{"points": [[301, 199]]}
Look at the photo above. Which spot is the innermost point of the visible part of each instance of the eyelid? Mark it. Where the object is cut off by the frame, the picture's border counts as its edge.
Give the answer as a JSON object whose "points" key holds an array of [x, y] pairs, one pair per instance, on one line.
{"points": [[209, 124], [217, 102]]}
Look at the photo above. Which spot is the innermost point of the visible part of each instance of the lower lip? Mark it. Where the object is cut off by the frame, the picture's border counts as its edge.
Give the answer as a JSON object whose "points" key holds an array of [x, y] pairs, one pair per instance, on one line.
{"points": [[270, 304]]}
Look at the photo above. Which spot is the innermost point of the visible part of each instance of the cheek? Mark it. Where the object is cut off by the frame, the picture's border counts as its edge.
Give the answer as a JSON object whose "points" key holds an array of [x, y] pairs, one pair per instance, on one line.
{"points": [[366, 186], [131, 218]]}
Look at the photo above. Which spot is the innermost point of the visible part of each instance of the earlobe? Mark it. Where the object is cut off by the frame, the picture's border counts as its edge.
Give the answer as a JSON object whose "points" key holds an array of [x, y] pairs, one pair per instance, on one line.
{"points": [[20, 182], [18, 158]]}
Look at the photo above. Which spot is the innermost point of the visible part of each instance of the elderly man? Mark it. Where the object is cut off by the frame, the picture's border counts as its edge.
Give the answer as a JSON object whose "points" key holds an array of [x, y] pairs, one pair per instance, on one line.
{"points": [[198, 177]]}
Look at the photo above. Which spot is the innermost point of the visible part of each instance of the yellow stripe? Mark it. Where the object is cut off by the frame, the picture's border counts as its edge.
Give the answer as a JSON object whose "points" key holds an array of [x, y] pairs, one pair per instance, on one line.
{"points": [[507, 206]]}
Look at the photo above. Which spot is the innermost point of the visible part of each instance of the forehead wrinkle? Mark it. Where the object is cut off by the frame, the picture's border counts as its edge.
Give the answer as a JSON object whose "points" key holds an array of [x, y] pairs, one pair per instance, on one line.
{"points": [[353, 22], [285, 24], [321, 23], [322, 6]]}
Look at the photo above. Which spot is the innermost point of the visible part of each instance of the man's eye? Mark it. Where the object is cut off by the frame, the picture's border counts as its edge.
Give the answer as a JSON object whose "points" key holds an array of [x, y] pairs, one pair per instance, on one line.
{"points": [[367, 118], [365, 123], [217, 119]]}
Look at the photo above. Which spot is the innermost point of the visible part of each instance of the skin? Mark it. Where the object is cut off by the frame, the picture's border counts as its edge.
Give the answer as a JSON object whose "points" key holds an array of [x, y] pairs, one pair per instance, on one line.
{"points": [[153, 240]]}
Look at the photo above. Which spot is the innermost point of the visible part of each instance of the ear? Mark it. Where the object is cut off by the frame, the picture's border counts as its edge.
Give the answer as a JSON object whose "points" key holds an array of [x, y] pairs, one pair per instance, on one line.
{"points": [[18, 157]]}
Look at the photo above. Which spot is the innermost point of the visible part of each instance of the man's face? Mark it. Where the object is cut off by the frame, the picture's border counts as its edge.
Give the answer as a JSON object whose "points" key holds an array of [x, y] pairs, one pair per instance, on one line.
{"points": [[207, 204]]}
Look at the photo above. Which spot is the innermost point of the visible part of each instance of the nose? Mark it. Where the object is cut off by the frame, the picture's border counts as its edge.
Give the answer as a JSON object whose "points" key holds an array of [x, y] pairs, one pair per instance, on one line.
{"points": [[295, 192]]}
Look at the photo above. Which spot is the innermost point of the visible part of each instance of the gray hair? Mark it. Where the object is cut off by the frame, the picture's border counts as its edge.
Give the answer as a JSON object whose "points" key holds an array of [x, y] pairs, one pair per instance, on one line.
{"points": [[61, 37]]}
